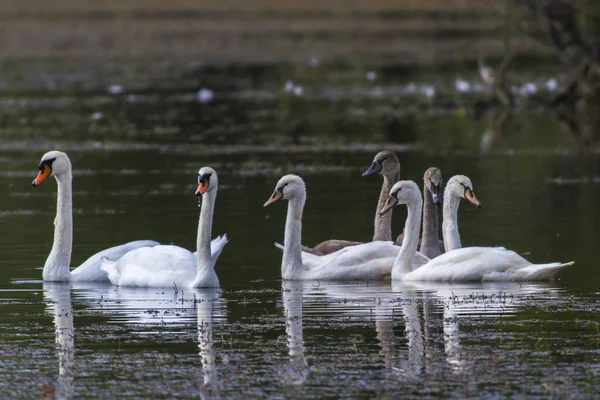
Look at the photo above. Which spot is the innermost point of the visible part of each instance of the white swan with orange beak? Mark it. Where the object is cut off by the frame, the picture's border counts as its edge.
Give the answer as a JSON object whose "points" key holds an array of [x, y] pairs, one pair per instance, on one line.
{"points": [[168, 265], [57, 164]]}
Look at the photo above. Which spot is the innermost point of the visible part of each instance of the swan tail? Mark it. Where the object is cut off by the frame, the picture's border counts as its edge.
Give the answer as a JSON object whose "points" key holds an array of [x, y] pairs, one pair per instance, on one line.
{"points": [[217, 245], [109, 266], [541, 272]]}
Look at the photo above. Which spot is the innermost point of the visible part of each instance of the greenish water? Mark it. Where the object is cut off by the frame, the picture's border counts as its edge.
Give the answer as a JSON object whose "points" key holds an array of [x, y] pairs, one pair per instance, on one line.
{"points": [[134, 178]]}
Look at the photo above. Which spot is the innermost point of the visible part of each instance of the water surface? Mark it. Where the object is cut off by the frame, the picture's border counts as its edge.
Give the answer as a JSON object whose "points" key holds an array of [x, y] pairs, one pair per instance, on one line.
{"points": [[134, 163]]}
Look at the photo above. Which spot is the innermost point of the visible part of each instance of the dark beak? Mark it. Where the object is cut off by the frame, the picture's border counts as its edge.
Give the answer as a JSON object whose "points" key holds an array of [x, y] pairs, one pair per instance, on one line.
{"points": [[373, 169], [436, 195]]}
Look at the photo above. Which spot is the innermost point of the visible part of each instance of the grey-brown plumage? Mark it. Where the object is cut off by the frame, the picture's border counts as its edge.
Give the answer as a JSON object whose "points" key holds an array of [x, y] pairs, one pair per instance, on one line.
{"points": [[387, 164], [430, 245]]}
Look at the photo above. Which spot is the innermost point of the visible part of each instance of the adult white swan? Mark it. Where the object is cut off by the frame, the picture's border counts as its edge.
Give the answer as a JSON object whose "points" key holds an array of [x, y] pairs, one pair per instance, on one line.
{"points": [[368, 261], [464, 264], [168, 265], [56, 268]]}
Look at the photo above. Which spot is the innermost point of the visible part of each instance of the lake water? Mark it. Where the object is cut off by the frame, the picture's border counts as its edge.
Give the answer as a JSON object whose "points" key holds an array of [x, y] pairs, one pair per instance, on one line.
{"points": [[135, 158]]}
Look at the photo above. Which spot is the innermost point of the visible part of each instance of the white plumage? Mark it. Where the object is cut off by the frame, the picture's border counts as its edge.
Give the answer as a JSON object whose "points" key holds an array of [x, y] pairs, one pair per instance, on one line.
{"points": [[168, 266]]}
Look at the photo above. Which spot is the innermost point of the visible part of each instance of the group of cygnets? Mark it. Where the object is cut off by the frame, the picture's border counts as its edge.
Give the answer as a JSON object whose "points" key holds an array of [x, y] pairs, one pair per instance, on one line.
{"points": [[146, 263]]}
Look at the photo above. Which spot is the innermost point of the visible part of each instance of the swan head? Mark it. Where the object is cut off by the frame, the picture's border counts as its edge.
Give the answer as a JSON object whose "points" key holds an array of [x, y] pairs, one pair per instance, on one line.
{"points": [[386, 163], [461, 186], [207, 181], [288, 187], [53, 163], [403, 192], [433, 182]]}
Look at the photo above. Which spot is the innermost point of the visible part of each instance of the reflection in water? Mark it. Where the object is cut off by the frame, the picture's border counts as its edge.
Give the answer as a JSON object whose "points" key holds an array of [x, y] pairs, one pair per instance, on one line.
{"points": [[58, 298], [205, 299], [430, 313], [459, 300], [292, 292], [160, 306]]}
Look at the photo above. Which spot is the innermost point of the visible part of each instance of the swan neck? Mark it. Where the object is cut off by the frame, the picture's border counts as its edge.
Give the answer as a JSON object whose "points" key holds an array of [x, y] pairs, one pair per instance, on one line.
{"points": [[291, 265], [383, 223], [450, 223], [57, 264], [430, 242], [404, 261], [205, 230]]}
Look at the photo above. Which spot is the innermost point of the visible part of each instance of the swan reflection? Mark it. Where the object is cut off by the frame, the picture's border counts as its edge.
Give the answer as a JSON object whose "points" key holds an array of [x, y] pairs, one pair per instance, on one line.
{"points": [[164, 307], [205, 300], [58, 303], [292, 294], [429, 312]]}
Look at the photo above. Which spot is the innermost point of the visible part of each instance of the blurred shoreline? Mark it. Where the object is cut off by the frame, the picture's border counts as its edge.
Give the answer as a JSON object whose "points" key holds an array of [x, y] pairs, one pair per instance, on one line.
{"points": [[74, 45]]}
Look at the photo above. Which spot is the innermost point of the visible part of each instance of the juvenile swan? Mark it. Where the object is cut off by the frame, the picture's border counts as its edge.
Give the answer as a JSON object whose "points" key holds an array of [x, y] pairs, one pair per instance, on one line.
{"points": [[57, 164], [368, 261], [387, 164], [430, 245], [168, 265], [464, 264]]}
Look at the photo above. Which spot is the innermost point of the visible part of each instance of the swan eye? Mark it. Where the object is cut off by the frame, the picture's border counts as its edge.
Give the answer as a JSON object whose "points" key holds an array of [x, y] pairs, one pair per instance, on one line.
{"points": [[45, 171], [280, 188], [46, 163]]}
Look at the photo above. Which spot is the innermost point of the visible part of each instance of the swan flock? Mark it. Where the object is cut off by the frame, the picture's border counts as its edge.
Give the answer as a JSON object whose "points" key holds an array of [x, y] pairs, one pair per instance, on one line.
{"points": [[412, 256]]}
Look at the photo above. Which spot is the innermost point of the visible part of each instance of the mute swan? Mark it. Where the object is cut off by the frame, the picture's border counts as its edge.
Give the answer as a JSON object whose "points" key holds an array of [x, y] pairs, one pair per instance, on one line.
{"points": [[464, 264], [168, 265], [368, 261], [57, 164], [387, 164], [458, 187]]}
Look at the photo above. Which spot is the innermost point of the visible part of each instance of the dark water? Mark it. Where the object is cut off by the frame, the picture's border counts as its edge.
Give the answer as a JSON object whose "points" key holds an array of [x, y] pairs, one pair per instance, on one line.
{"points": [[135, 170]]}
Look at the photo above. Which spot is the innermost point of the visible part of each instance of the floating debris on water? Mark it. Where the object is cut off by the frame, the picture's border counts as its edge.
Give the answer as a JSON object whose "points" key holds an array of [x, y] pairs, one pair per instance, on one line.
{"points": [[115, 89], [298, 90], [288, 87], [462, 86], [97, 116], [205, 95], [551, 85]]}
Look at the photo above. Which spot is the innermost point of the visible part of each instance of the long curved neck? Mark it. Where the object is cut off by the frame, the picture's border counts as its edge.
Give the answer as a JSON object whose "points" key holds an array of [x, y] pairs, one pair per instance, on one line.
{"points": [[383, 223], [59, 259], [450, 223], [430, 242], [404, 260], [291, 264], [204, 231]]}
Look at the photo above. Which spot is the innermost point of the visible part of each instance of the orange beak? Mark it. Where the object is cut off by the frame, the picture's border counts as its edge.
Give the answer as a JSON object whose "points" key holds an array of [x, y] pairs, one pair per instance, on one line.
{"points": [[42, 175], [277, 194], [202, 187], [469, 195]]}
